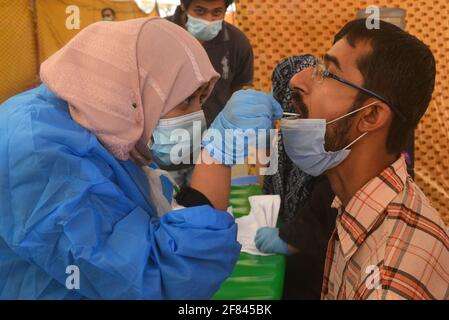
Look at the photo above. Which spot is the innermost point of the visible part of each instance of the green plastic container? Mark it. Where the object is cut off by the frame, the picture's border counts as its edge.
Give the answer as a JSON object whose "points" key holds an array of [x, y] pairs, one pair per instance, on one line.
{"points": [[254, 277]]}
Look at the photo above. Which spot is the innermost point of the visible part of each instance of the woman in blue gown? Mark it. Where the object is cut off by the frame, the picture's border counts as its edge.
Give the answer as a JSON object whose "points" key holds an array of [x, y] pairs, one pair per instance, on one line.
{"points": [[77, 219]]}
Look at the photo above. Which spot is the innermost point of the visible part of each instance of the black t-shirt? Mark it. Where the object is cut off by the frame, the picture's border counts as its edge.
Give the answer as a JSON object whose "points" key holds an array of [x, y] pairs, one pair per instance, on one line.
{"points": [[309, 231], [231, 55], [312, 225], [189, 197]]}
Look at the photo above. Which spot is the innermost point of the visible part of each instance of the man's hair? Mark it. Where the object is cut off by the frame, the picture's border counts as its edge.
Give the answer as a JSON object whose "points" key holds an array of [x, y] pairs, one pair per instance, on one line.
{"points": [[400, 68], [187, 3], [107, 9]]}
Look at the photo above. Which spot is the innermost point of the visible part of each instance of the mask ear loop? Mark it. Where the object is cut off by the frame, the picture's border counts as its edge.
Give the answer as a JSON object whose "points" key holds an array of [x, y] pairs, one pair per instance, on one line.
{"points": [[352, 112], [361, 136]]}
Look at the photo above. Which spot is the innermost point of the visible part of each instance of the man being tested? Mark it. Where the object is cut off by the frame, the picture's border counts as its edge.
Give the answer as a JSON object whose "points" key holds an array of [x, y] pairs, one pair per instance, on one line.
{"points": [[358, 106]]}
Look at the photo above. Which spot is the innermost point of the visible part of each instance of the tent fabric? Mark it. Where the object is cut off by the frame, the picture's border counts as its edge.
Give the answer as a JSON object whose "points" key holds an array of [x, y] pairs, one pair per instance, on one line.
{"points": [[52, 18], [18, 54]]}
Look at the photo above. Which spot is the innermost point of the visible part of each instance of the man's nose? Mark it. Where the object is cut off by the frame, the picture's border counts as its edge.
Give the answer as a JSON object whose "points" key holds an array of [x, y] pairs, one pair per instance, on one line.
{"points": [[301, 81]]}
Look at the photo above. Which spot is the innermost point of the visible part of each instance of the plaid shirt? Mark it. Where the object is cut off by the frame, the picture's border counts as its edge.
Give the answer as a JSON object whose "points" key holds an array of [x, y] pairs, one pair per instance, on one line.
{"points": [[389, 243]]}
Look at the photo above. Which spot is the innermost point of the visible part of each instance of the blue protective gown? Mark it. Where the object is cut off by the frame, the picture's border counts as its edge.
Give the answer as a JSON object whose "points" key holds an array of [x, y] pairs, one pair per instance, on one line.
{"points": [[66, 201]]}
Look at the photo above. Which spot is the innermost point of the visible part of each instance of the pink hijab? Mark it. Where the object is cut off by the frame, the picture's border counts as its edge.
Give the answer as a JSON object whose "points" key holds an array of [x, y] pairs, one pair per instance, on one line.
{"points": [[119, 78]]}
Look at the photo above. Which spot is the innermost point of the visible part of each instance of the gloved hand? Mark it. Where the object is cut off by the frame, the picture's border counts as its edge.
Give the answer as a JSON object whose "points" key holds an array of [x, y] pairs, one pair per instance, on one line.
{"points": [[268, 241], [247, 109]]}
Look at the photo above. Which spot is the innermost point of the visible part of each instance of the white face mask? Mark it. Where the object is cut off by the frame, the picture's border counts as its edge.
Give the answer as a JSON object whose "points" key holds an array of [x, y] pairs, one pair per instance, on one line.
{"points": [[179, 134], [202, 29], [304, 144]]}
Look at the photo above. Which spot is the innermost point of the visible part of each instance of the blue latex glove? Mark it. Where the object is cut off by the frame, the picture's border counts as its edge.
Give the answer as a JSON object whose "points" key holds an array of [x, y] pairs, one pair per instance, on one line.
{"points": [[247, 109], [268, 241]]}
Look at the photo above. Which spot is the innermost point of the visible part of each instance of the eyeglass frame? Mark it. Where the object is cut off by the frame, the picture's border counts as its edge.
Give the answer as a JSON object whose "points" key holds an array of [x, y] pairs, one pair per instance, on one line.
{"points": [[327, 74]]}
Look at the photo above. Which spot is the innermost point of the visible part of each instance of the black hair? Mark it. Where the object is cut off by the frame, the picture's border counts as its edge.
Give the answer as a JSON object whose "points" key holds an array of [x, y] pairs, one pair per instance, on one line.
{"points": [[186, 3], [106, 9], [400, 68]]}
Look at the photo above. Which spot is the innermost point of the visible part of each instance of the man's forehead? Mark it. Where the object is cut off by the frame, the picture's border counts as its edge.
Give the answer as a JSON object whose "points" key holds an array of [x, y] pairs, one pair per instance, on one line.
{"points": [[348, 55]]}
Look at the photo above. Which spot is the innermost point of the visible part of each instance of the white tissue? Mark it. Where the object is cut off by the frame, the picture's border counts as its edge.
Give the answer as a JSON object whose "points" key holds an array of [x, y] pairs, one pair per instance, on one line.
{"points": [[264, 213]]}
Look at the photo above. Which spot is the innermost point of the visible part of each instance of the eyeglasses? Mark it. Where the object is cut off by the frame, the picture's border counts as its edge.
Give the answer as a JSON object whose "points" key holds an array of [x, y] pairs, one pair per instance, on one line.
{"points": [[320, 72]]}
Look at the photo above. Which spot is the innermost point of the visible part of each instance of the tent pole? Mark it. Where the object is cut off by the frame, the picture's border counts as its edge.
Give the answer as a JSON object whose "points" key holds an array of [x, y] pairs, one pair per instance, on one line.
{"points": [[32, 7]]}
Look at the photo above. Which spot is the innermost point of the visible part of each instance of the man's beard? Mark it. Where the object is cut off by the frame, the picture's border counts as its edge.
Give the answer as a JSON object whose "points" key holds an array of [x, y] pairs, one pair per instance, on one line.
{"points": [[336, 137]]}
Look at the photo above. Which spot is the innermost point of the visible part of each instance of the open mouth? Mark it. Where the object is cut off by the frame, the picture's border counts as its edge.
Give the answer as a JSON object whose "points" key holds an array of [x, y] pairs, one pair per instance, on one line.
{"points": [[299, 105], [291, 115]]}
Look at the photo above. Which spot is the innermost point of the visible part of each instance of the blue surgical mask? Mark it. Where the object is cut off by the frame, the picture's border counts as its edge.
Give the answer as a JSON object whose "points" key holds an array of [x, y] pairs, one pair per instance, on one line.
{"points": [[176, 139], [304, 144], [202, 29]]}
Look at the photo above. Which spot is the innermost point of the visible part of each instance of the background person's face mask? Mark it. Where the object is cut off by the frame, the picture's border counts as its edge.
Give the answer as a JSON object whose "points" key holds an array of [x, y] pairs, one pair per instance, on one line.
{"points": [[304, 141], [202, 29], [165, 137]]}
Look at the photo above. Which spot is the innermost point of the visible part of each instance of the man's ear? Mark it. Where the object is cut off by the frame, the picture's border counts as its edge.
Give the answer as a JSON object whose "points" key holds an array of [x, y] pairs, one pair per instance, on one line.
{"points": [[375, 117]]}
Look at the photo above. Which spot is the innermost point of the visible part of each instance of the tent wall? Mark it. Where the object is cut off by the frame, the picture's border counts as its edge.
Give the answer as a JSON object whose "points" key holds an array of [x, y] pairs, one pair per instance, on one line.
{"points": [[32, 30], [52, 16], [18, 52]]}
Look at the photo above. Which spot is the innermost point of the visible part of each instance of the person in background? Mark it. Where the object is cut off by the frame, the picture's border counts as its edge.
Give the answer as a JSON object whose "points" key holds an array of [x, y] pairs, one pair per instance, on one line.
{"points": [[228, 49], [306, 217], [303, 240], [108, 14], [289, 182]]}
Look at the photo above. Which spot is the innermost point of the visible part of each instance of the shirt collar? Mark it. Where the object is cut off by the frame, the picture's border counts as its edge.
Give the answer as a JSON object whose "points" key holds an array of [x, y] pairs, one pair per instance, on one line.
{"points": [[366, 209]]}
